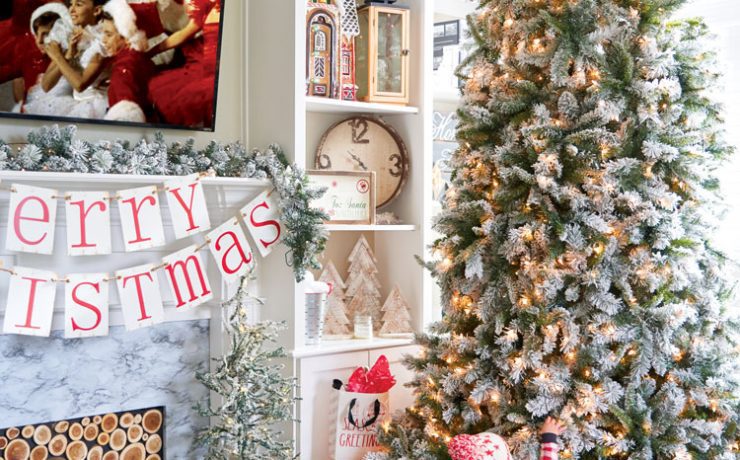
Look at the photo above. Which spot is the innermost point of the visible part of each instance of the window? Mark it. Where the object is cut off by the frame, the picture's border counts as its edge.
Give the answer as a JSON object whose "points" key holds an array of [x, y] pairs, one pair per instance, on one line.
{"points": [[319, 41], [346, 58]]}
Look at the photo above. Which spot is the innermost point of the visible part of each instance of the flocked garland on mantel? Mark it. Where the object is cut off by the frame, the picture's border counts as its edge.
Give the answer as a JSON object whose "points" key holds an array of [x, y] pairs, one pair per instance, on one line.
{"points": [[58, 150]]}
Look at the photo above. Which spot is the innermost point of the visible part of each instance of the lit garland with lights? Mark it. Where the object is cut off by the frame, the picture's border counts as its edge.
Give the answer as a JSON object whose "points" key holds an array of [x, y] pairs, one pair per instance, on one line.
{"points": [[576, 270]]}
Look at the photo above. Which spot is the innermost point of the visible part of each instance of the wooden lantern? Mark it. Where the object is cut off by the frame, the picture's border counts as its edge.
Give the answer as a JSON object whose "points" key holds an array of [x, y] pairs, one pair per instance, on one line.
{"points": [[322, 50], [382, 52]]}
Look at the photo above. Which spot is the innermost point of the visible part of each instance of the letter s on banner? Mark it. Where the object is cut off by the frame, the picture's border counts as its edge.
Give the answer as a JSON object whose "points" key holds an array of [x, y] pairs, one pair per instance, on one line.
{"points": [[86, 306], [188, 279], [31, 220], [141, 301], [231, 250], [187, 203], [30, 306], [262, 217], [88, 223]]}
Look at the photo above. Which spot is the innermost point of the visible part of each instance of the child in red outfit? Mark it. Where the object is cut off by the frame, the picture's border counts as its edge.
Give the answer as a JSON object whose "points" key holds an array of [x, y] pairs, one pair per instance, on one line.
{"points": [[20, 58], [185, 95], [549, 433], [131, 68]]}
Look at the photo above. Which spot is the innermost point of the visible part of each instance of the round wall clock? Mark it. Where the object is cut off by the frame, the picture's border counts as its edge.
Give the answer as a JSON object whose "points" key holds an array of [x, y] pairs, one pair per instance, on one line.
{"points": [[366, 144]]}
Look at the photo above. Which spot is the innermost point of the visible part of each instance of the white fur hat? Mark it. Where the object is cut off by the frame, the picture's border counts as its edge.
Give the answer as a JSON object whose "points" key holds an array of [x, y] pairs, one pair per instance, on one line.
{"points": [[62, 27], [126, 111], [124, 18]]}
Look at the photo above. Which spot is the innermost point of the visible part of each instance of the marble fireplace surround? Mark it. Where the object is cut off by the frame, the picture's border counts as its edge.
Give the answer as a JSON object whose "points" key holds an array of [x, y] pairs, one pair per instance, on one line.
{"points": [[47, 379]]}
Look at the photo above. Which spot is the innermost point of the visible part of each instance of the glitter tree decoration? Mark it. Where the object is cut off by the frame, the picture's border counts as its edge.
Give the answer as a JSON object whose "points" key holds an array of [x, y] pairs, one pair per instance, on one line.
{"points": [[363, 288], [396, 316], [255, 398], [336, 322]]}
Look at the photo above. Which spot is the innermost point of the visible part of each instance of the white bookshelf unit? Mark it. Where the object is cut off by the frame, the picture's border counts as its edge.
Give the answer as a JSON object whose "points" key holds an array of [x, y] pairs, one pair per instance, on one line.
{"points": [[279, 111]]}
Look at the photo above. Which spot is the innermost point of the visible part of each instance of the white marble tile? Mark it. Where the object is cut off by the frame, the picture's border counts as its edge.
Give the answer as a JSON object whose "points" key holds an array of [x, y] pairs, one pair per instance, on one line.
{"points": [[47, 379]]}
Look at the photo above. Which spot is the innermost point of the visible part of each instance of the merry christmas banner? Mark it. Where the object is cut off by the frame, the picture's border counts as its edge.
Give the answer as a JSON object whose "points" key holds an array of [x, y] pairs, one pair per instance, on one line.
{"points": [[32, 221]]}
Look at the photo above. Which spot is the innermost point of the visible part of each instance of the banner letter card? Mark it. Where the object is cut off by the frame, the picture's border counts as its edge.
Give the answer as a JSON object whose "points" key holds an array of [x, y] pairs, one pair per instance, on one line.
{"points": [[231, 250], [88, 223], [30, 306], [141, 301], [188, 278], [141, 218], [31, 220], [86, 312], [262, 216], [187, 203]]}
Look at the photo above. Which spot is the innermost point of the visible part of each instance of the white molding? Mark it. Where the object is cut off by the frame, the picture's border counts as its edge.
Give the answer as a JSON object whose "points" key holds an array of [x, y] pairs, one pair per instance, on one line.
{"points": [[322, 104], [333, 347]]}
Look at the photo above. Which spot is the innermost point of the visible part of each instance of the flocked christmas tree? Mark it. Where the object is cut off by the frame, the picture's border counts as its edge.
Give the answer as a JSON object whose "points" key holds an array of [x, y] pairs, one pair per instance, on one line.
{"points": [[577, 273], [396, 316], [336, 322], [255, 396], [363, 288]]}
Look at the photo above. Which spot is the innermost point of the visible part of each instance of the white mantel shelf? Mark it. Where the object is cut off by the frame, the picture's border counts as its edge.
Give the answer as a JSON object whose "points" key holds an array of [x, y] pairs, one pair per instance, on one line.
{"points": [[330, 347]]}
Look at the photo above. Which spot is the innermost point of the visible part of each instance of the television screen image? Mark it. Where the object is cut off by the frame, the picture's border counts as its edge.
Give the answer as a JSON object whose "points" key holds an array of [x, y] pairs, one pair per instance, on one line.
{"points": [[130, 62]]}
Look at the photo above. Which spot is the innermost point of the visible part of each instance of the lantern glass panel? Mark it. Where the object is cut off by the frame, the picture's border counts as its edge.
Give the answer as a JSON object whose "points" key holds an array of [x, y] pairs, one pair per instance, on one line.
{"points": [[362, 44], [390, 48]]}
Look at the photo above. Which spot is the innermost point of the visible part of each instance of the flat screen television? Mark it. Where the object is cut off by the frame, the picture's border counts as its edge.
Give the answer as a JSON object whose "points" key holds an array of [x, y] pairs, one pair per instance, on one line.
{"points": [[151, 63]]}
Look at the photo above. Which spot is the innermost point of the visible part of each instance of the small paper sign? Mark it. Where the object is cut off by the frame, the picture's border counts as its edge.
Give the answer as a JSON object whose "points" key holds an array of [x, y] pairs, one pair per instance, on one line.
{"points": [[187, 204], [141, 218], [187, 278], [31, 220], [88, 223], [349, 197], [262, 217], [30, 306], [141, 301], [231, 250], [86, 312]]}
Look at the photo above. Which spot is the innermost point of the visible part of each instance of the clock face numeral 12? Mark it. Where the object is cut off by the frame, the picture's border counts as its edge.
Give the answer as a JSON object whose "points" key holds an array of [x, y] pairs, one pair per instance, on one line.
{"points": [[366, 144], [359, 130]]}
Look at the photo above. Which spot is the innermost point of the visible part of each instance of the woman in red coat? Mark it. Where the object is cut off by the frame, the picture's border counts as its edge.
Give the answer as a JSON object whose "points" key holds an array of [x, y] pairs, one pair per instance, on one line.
{"points": [[184, 96]]}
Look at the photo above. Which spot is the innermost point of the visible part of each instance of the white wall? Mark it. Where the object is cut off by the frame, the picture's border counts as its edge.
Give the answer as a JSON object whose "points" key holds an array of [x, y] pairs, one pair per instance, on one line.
{"points": [[230, 118]]}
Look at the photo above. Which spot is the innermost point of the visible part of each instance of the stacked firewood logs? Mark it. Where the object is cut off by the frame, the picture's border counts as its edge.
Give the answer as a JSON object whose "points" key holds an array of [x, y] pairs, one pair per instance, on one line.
{"points": [[135, 435]]}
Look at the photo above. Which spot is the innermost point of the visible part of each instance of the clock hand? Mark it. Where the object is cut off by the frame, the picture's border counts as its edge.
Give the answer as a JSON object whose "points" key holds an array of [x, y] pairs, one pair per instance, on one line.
{"points": [[358, 160]]}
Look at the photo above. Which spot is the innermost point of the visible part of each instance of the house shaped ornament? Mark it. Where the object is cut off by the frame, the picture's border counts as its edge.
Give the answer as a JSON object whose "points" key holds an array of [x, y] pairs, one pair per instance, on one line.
{"points": [[322, 50], [350, 28]]}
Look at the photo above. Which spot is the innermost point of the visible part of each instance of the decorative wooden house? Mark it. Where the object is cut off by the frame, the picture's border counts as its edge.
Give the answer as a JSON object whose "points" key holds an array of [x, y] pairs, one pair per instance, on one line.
{"points": [[322, 53], [350, 28]]}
